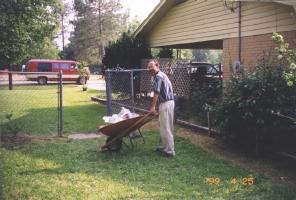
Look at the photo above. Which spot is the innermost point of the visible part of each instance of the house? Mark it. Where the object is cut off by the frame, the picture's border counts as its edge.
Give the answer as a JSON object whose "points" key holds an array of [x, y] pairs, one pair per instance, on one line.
{"points": [[242, 29]]}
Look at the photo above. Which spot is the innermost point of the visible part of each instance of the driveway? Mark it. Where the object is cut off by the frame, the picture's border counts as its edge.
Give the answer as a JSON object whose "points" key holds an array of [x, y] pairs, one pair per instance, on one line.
{"points": [[96, 82]]}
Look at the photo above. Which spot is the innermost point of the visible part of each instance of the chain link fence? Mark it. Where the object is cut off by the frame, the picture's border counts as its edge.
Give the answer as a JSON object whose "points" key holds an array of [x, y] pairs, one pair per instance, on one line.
{"points": [[27, 107], [194, 88]]}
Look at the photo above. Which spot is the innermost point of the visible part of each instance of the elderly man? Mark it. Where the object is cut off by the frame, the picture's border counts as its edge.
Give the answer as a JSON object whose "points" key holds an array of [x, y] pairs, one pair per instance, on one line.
{"points": [[163, 92]]}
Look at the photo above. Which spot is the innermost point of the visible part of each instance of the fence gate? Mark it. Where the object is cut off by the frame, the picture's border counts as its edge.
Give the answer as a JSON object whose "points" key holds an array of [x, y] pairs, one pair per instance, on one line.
{"points": [[27, 107]]}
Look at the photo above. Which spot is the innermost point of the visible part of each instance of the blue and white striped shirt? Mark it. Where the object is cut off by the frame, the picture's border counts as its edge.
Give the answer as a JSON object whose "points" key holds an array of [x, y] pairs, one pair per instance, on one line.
{"points": [[163, 86]]}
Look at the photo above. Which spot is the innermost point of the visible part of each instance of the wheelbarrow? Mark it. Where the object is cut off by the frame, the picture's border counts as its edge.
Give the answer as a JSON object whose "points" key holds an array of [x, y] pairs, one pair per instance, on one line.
{"points": [[117, 131]]}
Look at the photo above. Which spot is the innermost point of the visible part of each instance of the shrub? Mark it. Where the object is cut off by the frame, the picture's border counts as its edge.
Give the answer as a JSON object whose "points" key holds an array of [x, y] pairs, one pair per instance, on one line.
{"points": [[249, 103], [126, 52], [287, 58], [204, 92]]}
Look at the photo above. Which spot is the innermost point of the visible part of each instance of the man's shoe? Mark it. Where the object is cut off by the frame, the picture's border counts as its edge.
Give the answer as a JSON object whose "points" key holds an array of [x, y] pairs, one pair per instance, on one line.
{"points": [[159, 150], [170, 155]]}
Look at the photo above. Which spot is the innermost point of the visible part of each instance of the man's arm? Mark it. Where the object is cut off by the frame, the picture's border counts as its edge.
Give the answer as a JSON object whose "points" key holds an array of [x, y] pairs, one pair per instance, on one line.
{"points": [[153, 103]]}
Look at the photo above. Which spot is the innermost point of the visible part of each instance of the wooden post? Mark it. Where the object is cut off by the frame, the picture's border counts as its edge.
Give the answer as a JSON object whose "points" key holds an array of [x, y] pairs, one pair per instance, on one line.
{"points": [[10, 80]]}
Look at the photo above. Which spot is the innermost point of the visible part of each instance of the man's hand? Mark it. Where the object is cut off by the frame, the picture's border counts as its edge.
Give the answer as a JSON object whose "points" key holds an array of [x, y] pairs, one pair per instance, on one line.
{"points": [[152, 110], [153, 104]]}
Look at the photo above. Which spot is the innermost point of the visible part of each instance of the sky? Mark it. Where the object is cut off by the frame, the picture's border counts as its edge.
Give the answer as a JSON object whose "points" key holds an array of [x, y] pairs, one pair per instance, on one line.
{"points": [[139, 8]]}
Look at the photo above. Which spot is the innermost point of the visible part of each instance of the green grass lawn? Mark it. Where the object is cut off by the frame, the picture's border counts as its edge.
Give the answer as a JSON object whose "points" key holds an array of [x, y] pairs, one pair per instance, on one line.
{"points": [[61, 169], [34, 109], [66, 169]]}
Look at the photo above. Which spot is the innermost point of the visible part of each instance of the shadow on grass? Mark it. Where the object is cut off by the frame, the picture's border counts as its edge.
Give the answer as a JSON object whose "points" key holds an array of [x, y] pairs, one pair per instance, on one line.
{"points": [[44, 121], [81, 171]]}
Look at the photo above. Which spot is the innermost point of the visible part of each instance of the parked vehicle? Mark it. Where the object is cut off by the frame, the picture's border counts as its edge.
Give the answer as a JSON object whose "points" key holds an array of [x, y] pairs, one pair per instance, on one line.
{"points": [[207, 69], [68, 67]]}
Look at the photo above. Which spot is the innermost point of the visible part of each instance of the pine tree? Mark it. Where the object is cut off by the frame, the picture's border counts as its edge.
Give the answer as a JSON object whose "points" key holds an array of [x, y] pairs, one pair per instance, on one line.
{"points": [[97, 23]]}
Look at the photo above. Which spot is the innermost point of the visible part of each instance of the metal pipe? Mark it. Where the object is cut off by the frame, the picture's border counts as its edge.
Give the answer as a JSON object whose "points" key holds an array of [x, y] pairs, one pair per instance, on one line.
{"points": [[239, 31], [61, 103], [209, 123], [132, 91], [108, 93]]}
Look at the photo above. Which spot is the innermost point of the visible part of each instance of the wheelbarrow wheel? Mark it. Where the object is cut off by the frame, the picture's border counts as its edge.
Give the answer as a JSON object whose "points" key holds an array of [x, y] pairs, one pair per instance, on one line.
{"points": [[114, 146]]}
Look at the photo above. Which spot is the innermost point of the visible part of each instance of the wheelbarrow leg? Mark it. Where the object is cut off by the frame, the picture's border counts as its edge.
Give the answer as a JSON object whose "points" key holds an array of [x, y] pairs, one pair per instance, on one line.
{"points": [[131, 141], [141, 136], [126, 144]]}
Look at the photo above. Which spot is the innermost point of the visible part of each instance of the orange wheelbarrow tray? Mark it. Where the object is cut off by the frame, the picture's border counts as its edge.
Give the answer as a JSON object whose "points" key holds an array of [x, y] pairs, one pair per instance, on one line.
{"points": [[117, 131]]}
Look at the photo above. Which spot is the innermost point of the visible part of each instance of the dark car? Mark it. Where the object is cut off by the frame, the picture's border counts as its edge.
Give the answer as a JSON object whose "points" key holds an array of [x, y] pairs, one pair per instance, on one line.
{"points": [[206, 69]]}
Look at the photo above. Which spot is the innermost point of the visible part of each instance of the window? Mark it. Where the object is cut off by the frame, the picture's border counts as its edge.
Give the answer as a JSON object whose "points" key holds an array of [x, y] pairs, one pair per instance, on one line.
{"points": [[44, 67], [64, 66], [56, 66]]}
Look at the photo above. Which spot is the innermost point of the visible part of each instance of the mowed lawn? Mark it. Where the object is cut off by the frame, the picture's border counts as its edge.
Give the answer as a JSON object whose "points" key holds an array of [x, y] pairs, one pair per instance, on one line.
{"points": [[35, 109], [62, 169], [59, 168]]}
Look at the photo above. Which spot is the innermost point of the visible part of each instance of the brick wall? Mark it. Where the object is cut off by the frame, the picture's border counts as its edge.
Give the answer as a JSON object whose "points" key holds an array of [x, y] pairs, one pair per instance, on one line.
{"points": [[253, 49]]}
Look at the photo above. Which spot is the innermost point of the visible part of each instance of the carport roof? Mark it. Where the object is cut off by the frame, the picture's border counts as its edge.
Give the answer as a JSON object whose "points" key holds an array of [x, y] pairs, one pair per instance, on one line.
{"points": [[164, 5]]}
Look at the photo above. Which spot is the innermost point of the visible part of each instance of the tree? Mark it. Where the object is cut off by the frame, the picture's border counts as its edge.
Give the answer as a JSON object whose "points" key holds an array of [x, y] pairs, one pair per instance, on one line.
{"points": [[200, 55], [98, 22], [23, 24], [126, 52], [46, 50], [215, 56], [64, 13], [165, 53]]}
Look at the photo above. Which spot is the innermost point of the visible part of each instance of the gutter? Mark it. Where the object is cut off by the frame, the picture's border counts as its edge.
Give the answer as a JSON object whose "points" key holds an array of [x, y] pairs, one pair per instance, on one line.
{"points": [[239, 31]]}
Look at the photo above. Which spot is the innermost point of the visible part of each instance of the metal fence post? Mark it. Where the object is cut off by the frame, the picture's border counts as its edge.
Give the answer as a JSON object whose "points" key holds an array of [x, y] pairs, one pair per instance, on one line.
{"points": [[132, 91], [61, 120], [209, 122], [108, 93], [10, 80]]}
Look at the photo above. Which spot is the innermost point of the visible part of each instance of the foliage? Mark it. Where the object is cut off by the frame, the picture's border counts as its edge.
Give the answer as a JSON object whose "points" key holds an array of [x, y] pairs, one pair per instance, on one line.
{"points": [[69, 52], [287, 56], [251, 101], [45, 50], [12, 126], [98, 22], [215, 56], [165, 53], [204, 91], [210, 56], [196, 55], [24, 24], [200, 55], [126, 52]]}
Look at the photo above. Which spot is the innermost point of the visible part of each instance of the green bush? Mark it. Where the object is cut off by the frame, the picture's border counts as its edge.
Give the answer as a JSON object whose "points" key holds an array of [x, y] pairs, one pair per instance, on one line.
{"points": [[126, 52], [253, 103], [204, 92], [250, 103]]}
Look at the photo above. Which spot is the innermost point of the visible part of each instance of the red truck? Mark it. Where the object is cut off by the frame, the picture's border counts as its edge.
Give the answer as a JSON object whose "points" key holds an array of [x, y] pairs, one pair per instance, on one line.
{"points": [[46, 67]]}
